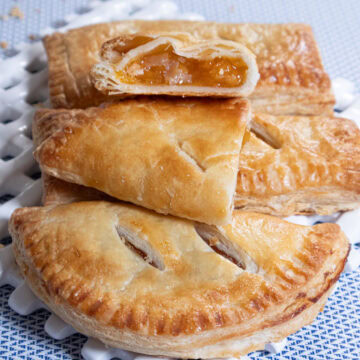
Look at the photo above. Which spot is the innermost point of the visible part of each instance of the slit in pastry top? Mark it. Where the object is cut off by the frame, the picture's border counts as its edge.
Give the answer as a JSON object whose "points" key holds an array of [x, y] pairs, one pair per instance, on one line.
{"points": [[175, 64]]}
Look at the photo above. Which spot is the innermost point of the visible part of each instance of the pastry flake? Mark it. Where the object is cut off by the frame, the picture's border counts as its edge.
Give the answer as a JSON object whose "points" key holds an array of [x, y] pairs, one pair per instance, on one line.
{"points": [[299, 165], [56, 191], [175, 64], [161, 285], [175, 156], [292, 76]]}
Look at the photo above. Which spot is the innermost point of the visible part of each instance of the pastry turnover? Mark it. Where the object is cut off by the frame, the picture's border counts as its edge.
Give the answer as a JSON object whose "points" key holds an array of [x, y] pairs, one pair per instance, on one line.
{"points": [[175, 64], [299, 165], [288, 165], [292, 76], [166, 286], [175, 156]]}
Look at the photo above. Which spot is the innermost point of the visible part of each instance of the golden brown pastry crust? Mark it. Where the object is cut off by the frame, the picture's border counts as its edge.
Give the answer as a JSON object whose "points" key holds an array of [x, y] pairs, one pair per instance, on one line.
{"points": [[307, 165], [292, 77], [180, 298], [163, 154], [118, 53]]}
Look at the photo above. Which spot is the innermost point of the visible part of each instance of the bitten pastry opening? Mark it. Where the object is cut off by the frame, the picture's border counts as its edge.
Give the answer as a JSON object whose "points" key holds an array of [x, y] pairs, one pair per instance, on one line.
{"points": [[175, 64], [163, 66]]}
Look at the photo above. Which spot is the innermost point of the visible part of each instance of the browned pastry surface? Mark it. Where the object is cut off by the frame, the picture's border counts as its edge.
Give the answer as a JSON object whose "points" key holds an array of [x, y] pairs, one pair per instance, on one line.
{"points": [[292, 77], [161, 285], [164, 154], [299, 165]]}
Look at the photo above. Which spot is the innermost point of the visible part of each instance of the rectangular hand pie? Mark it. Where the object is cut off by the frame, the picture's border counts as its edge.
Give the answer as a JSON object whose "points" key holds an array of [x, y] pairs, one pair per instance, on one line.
{"points": [[292, 77], [175, 156], [171, 287], [175, 64], [299, 165]]}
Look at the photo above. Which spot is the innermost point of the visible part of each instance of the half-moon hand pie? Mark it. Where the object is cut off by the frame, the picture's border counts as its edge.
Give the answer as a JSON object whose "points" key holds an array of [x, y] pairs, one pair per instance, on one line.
{"points": [[175, 156], [166, 286], [175, 64], [292, 76]]}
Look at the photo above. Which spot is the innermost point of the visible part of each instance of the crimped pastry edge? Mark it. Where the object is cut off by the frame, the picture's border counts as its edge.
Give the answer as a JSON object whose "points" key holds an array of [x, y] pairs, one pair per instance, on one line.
{"points": [[290, 317]]}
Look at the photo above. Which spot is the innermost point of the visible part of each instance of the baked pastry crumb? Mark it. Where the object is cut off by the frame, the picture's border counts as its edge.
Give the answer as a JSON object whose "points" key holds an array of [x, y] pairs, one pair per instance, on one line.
{"points": [[16, 13]]}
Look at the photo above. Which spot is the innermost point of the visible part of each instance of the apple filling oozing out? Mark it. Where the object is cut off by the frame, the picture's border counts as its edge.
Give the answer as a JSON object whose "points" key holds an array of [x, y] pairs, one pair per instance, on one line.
{"points": [[163, 66]]}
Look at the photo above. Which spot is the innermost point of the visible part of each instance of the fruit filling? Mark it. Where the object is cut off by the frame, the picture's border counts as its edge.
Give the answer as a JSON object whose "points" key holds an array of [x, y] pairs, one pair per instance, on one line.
{"points": [[162, 66]]}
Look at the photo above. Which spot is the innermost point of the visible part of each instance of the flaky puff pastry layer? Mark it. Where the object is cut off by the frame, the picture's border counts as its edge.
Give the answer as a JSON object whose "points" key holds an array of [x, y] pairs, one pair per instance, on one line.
{"points": [[175, 64], [175, 156], [56, 191], [160, 285], [299, 165], [292, 76]]}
